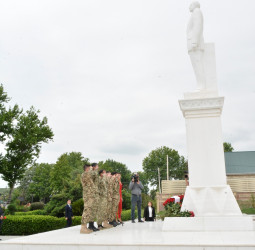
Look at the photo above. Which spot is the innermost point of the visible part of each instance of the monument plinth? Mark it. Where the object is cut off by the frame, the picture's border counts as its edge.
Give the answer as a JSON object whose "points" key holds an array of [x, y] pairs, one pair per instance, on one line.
{"points": [[208, 195]]}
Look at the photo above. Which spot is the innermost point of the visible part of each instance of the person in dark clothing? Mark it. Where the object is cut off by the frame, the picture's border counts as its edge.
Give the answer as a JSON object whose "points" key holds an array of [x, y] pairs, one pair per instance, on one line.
{"points": [[136, 188], [149, 212], [1, 217], [68, 214]]}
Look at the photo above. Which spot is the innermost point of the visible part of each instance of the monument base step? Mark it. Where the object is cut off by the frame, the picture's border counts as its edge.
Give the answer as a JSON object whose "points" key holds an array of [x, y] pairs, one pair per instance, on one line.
{"points": [[205, 224], [132, 236]]}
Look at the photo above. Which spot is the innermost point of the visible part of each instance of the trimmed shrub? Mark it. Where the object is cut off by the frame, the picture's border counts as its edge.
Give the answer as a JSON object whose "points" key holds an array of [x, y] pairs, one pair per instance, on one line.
{"points": [[126, 195], [58, 211], [36, 206], [11, 209], [126, 215], [77, 207], [26, 225], [35, 212], [56, 206], [22, 209]]}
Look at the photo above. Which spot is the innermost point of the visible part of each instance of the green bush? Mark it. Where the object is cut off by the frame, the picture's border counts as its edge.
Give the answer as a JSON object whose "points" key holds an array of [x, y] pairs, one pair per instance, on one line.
{"points": [[11, 209], [34, 212], [21, 208], [250, 210], [77, 207], [126, 215], [56, 206], [26, 225], [126, 195], [36, 206], [58, 211]]}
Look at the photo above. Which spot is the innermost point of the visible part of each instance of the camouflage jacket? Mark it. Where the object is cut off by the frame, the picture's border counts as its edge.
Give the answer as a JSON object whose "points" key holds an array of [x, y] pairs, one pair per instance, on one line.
{"points": [[87, 182], [116, 187], [109, 188], [102, 187]]}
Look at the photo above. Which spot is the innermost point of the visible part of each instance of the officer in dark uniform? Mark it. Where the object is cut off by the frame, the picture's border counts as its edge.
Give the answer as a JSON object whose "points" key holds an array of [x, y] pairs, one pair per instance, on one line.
{"points": [[68, 214]]}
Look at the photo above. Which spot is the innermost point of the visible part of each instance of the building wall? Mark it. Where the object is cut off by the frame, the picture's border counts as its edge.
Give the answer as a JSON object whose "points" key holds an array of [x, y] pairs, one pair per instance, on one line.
{"points": [[243, 187]]}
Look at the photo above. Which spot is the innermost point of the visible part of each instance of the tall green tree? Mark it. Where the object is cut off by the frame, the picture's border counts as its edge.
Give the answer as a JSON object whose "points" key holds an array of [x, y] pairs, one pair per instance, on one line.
{"points": [[67, 170], [7, 116], [228, 147], [25, 183], [114, 166], [158, 159], [22, 139], [144, 180], [40, 184]]}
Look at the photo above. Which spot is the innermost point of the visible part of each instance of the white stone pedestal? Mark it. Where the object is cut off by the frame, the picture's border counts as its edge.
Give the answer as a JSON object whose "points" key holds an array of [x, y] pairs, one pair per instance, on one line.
{"points": [[208, 195], [211, 201]]}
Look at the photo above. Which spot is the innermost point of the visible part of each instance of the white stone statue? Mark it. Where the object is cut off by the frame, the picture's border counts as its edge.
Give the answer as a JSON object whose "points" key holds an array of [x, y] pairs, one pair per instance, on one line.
{"points": [[195, 42]]}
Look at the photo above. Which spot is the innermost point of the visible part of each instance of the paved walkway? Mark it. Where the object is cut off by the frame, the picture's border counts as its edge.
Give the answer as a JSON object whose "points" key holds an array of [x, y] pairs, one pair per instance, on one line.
{"points": [[138, 236], [2, 237]]}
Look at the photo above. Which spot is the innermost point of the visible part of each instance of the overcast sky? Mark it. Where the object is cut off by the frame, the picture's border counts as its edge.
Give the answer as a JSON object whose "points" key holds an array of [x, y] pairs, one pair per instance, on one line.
{"points": [[108, 74]]}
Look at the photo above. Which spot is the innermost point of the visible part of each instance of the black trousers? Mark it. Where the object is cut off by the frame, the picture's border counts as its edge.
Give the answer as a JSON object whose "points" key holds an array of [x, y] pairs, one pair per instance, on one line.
{"points": [[149, 219], [69, 222]]}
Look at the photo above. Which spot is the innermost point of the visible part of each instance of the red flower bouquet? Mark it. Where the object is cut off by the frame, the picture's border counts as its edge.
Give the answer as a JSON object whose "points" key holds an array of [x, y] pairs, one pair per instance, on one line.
{"points": [[169, 202], [181, 198], [173, 209]]}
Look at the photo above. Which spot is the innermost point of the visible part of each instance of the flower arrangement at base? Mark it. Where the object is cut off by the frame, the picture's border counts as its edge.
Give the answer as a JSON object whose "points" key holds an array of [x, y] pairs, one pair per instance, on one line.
{"points": [[173, 209]]}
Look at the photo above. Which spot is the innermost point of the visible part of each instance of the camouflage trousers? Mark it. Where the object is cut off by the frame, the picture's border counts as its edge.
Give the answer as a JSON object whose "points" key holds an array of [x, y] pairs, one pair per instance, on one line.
{"points": [[114, 208], [109, 208], [102, 210], [90, 210]]}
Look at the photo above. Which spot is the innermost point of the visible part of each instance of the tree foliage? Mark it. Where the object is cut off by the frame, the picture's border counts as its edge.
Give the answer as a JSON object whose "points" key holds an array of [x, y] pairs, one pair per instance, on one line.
{"points": [[65, 174], [22, 133], [158, 159], [40, 181], [228, 147], [114, 166]]}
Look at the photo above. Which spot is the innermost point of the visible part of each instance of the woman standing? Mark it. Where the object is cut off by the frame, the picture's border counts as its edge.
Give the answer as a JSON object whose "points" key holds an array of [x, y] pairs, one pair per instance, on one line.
{"points": [[120, 203], [149, 212]]}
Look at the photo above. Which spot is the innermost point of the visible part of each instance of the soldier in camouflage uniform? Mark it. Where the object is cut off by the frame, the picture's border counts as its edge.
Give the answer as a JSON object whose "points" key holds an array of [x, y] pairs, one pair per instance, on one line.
{"points": [[103, 201], [115, 199], [109, 181], [95, 208], [88, 193]]}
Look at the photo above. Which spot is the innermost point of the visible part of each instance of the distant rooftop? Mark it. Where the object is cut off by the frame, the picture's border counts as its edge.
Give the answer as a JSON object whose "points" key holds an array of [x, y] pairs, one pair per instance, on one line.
{"points": [[240, 162]]}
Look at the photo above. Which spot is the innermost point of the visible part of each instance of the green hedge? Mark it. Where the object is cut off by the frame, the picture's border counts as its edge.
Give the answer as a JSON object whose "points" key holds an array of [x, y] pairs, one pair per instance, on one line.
{"points": [[36, 206], [34, 212], [26, 225], [78, 207], [126, 214], [250, 210]]}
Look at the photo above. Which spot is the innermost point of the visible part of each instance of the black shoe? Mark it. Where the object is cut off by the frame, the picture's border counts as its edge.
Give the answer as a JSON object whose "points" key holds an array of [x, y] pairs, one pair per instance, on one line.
{"points": [[92, 227], [133, 221], [140, 221], [117, 222], [113, 223], [100, 227], [95, 229]]}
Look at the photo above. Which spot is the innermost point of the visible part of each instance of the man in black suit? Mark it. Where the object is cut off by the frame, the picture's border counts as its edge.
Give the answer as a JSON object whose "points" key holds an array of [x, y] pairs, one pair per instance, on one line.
{"points": [[68, 214], [1, 217]]}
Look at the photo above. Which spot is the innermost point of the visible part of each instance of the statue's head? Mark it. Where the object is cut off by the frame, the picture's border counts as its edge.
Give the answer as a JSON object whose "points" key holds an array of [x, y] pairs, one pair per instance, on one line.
{"points": [[194, 5]]}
